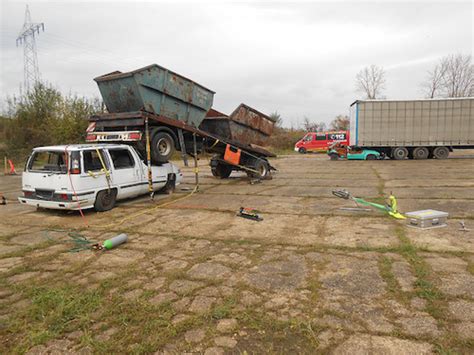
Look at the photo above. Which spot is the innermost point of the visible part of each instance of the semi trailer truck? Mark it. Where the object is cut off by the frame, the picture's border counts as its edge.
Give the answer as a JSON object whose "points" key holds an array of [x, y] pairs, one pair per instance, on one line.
{"points": [[415, 129]]}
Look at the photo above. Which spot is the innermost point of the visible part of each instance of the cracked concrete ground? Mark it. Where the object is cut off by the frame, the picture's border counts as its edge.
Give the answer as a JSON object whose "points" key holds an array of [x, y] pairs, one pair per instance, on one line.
{"points": [[309, 278]]}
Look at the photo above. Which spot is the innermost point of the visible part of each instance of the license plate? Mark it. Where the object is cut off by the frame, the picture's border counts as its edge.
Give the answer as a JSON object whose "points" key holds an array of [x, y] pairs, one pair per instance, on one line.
{"points": [[45, 194]]}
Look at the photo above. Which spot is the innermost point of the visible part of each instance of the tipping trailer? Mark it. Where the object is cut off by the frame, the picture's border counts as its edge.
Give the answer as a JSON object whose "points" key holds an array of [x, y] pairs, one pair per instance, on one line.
{"points": [[171, 109], [417, 129]]}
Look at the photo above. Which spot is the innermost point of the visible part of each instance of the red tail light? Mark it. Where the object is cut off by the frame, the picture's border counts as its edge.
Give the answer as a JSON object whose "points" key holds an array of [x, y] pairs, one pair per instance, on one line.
{"points": [[91, 137], [27, 193], [75, 167], [64, 197], [134, 136]]}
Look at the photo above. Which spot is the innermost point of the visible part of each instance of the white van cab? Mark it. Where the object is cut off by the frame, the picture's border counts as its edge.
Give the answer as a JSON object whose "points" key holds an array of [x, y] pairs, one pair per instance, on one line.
{"points": [[90, 176]]}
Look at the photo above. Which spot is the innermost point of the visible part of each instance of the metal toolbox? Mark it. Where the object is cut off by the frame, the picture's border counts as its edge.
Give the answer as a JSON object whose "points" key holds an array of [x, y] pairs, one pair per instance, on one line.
{"points": [[426, 219]]}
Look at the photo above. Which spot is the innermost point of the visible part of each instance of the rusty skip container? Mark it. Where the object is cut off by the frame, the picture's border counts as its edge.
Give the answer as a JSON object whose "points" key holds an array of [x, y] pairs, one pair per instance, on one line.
{"points": [[245, 125], [158, 90]]}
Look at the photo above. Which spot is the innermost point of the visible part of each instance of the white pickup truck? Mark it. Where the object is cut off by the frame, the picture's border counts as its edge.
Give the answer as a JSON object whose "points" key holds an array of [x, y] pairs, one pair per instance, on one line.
{"points": [[90, 176]]}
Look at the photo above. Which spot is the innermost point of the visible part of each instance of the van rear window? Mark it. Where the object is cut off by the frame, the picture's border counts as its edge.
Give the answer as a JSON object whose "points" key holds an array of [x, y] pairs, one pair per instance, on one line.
{"points": [[48, 161]]}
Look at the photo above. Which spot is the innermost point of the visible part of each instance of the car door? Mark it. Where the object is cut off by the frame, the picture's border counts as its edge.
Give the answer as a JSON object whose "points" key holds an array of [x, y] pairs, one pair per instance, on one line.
{"points": [[126, 174], [93, 177]]}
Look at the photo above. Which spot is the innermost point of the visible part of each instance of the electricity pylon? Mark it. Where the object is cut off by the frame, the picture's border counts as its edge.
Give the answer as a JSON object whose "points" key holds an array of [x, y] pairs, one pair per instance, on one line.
{"points": [[28, 39]]}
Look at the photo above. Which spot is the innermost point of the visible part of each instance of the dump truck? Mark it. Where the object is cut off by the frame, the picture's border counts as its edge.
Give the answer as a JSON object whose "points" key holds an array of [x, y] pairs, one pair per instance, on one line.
{"points": [[171, 108], [415, 129]]}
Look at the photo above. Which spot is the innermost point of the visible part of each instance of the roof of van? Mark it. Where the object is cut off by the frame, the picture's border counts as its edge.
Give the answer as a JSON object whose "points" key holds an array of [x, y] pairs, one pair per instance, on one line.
{"points": [[81, 146]]}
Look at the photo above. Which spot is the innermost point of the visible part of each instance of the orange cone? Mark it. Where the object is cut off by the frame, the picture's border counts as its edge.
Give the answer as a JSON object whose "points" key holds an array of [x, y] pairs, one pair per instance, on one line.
{"points": [[12, 168]]}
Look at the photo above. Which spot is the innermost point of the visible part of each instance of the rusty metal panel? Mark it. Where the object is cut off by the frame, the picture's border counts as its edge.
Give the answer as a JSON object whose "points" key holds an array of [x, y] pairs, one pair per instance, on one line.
{"points": [[250, 117], [226, 128], [157, 90]]}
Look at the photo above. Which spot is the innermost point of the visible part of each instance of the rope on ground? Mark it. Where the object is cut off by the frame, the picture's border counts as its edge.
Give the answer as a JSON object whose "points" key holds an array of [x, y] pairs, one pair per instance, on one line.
{"points": [[79, 241], [121, 221]]}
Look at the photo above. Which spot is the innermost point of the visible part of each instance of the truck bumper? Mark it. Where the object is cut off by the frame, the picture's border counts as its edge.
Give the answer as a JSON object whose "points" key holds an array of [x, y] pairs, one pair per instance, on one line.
{"points": [[72, 205]]}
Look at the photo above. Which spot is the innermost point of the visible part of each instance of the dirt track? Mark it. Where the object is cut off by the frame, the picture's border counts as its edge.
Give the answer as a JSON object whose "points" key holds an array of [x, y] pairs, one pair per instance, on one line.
{"points": [[194, 277]]}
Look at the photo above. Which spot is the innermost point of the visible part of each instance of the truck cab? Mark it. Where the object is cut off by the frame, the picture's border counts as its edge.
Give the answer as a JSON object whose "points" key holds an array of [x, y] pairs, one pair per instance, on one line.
{"points": [[86, 176], [320, 141]]}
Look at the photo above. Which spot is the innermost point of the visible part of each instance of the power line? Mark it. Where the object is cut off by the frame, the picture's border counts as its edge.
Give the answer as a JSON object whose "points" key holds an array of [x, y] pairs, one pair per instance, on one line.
{"points": [[27, 38]]}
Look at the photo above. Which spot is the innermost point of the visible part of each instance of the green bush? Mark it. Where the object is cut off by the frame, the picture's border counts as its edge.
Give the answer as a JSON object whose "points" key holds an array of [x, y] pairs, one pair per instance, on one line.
{"points": [[44, 116]]}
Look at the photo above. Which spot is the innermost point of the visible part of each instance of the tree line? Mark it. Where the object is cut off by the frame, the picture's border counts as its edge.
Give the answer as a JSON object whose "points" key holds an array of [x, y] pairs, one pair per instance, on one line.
{"points": [[44, 116], [452, 76]]}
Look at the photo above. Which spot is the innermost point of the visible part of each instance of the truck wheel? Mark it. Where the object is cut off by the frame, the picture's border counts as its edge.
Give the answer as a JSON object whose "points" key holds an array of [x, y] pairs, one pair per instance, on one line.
{"points": [[263, 171], [441, 152], [221, 171], [400, 153], [421, 153], [334, 156], [162, 147], [105, 200], [302, 150], [371, 157]]}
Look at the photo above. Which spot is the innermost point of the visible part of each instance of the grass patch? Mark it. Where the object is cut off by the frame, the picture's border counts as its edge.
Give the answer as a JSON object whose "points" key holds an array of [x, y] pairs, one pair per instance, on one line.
{"points": [[385, 267], [52, 312], [424, 287]]}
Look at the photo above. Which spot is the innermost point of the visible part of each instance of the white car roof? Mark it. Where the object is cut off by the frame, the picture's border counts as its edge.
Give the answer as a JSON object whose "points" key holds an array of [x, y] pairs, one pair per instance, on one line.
{"points": [[80, 146]]}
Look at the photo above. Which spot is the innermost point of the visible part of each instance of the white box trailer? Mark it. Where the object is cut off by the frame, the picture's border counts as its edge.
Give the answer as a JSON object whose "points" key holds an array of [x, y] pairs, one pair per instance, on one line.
{"points": [[418, 129]]}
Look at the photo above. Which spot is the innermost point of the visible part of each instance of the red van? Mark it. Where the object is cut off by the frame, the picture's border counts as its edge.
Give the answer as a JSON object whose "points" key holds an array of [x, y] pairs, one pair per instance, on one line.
{"points": [[320, 141]]}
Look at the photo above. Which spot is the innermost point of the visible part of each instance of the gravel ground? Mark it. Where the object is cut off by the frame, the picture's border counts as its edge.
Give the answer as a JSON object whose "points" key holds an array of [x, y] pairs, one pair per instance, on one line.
{"points": [[195, 278]]}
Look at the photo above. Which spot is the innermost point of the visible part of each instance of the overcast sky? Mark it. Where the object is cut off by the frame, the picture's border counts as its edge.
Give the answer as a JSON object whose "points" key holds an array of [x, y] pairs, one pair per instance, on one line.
{"points": [[297, 58]]}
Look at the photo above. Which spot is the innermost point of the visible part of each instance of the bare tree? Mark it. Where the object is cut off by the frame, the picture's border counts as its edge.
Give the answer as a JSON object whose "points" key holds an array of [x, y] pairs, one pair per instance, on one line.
{"points": [[453, 76], [340, 123], [371, 81], [276, 117], [434, 84], [310, 126]]}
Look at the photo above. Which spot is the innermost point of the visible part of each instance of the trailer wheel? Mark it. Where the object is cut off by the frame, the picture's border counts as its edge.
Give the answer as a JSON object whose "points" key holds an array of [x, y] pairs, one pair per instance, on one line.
{"points": [[302, 150], [221, 171], [162, 147], [400, 153], [421, 153], [105, 200], [441, 152], [263, 171], [334, 156]]}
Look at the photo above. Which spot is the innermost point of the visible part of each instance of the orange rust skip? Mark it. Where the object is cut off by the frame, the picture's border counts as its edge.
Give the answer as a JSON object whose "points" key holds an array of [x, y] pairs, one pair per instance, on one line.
{"points": [[232, 155]]}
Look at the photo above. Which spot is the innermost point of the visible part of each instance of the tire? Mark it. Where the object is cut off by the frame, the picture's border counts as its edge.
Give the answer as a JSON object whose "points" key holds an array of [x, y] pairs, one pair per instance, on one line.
{"points": [[105, 200], [371, 157], [400, 153], [333, 156], [421, 153], [262, 168], [162, 147], [302, 150], [441, 152], [221, 170]]}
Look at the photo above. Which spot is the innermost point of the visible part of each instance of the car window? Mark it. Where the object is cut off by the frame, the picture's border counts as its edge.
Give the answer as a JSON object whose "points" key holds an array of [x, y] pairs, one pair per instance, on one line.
{"points": [[308, 138], [92, 160], [320, 136], [48, 161], [121, 158]]}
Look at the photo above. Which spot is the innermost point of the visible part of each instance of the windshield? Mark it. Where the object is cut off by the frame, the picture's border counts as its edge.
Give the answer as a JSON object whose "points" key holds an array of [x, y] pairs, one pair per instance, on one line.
{"points": [[48, 161]]}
